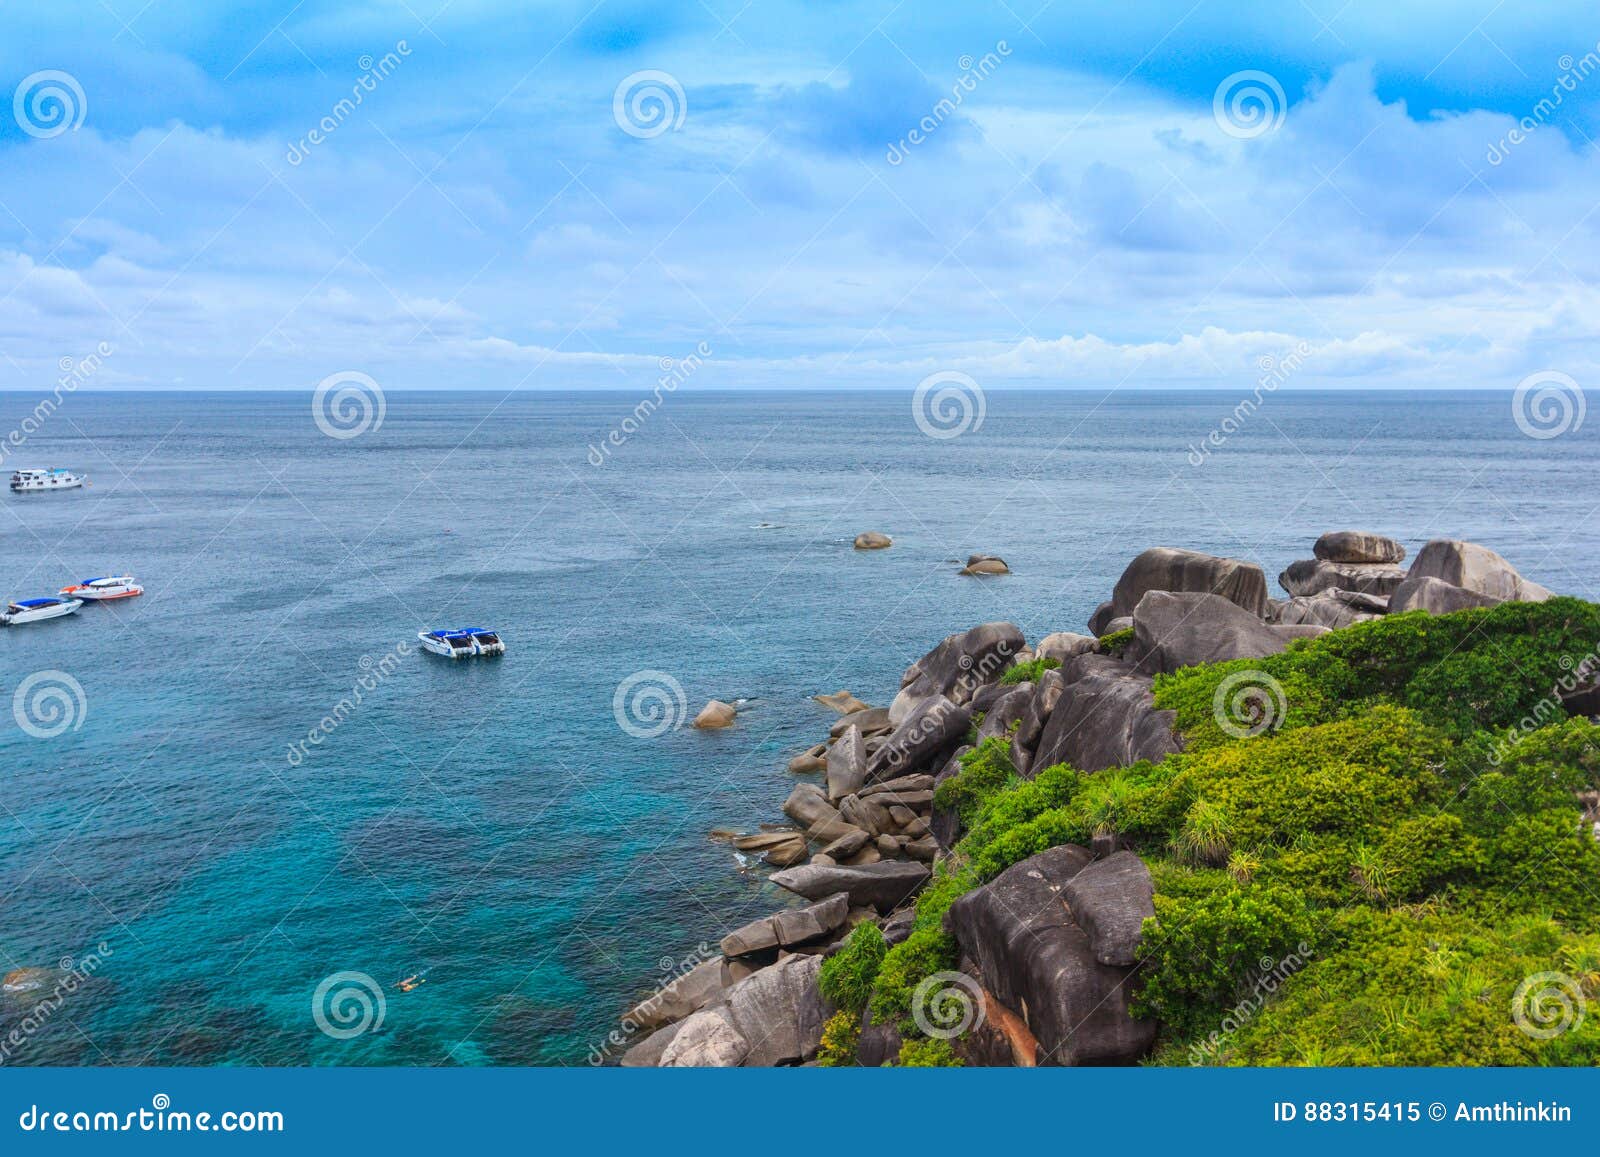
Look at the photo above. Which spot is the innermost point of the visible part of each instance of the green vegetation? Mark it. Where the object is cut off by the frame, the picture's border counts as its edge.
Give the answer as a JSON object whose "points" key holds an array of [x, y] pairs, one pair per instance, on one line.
{"points": [[840, 1037], [928, 1054], [1369, 880], [1116, 642], [848, 975], [1028, 672]]}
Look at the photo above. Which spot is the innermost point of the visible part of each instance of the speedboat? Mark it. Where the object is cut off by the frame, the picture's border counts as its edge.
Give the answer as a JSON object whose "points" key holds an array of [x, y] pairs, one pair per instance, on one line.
{"points": [[102, 590], [53, 479], [33, 610], [462, 643]]}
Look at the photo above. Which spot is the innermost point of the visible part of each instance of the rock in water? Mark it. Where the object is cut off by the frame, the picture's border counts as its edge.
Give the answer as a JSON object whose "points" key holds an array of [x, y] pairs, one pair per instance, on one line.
{"points": [[1110, 900], [689, 993], [843, 702], [882, 885], [807, 805], [715, 714], [1040, 963], [1311, 576], [1435, 596], [985, 564], [1476, 568], [847, 765], [813, 759], [1165, 568], [1358, 546], [872, 540]]}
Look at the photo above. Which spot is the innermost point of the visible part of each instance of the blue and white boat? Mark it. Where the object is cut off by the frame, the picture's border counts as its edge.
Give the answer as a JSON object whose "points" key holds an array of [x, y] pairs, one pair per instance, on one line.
{"points": [[33, 610], [463, 642], [53, 479]]}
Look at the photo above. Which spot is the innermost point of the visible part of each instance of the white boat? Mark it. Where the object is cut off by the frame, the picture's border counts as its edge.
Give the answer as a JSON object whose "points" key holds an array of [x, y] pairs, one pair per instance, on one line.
{"points": [[33, 610], [462, 643], [53, 479], [100, 590]]}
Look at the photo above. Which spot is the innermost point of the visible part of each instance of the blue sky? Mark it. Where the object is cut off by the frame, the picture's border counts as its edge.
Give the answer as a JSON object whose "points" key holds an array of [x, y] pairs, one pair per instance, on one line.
{"points": [[1084, 216]]}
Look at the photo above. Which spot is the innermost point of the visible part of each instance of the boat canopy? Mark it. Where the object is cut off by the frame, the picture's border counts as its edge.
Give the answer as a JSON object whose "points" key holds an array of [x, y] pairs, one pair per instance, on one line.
{"points": [[36, 603]]}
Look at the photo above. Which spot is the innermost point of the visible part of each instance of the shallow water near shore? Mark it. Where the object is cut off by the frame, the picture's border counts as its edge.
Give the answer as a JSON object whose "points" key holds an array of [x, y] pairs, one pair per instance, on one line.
{"points": [[488, 825]]}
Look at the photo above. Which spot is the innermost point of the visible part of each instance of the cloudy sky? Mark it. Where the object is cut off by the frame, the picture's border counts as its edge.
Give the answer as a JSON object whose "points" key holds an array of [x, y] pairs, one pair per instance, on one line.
{"points": [[824, 194]]}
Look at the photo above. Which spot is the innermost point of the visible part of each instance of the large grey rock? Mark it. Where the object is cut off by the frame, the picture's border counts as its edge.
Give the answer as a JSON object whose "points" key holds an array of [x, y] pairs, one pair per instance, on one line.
{"points": [[872, 721], [646, 1054], [755, 937], [708, 1039], [1358, 546], [1045, 694], [773, 1017], [958, 666], [904, 783], [1171, 631], [1008, 709], [796, 926], [945, 826], [1107, 718], [1064, 645], [871, 815], [933, 727], [1477, 568], [1435, 596], [1165, 568], [1310, 576], [1110, 900], [1332, 608], [1039, 962], [808, 804], [882, 886], [879, 1044], [694, 990], [847, 764]]}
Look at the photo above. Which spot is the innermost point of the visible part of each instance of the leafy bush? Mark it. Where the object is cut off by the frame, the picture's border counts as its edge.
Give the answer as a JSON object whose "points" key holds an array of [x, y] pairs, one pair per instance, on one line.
{"points": [[841, 1034], [928, 1054], [848, 975], [984, 770], [1116, 642], [1028, 672]]}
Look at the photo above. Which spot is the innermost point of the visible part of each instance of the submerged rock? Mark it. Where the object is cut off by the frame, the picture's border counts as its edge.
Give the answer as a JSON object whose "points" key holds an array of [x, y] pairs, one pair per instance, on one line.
{"points": [[872, 540], [985, 564], [715, 714]]}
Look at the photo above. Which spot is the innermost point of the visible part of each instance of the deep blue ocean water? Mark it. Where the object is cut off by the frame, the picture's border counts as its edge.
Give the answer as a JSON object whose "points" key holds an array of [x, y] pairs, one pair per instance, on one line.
{"points": [[488, 824]]}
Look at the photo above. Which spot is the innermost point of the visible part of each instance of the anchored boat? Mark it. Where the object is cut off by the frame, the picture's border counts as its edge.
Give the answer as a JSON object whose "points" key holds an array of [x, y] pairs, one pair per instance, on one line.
{"points": [[53, 479], [463, 642], [33, 610], [100, 590]]}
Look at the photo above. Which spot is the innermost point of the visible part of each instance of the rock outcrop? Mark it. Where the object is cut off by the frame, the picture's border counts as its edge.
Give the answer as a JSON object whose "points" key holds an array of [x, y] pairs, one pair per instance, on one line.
{"points": [[958, 667], [715, 714], [1105, 716], [1475, 568], [985, 564], [1165, 568], [1358, 546], [1180, 630], [1311, 576], [1434, 595], [882, 886]]}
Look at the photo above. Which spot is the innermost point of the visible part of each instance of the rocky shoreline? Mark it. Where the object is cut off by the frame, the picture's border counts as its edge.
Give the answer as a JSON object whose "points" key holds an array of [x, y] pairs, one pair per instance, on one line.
{"points": [[1047, 947]]}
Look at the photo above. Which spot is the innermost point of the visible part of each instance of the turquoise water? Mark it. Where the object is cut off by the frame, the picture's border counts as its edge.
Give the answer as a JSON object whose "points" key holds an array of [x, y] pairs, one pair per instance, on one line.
{"points": [[489, 825]]}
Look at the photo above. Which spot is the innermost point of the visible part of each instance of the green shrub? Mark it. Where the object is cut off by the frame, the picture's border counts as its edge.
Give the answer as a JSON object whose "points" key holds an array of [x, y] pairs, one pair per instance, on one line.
{"points": [[848, 975], [984, 770], [1116, 642], [841, 1035], [1028, 672], [929, 1054]]}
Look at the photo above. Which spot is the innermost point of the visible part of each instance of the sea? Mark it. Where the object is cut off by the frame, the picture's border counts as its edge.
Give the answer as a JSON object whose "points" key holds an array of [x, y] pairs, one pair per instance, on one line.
{"points": [[246, 820]]}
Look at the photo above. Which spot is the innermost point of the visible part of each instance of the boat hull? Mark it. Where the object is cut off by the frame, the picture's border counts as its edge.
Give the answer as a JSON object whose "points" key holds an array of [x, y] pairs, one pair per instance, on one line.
{"points": [[39, 614]]}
